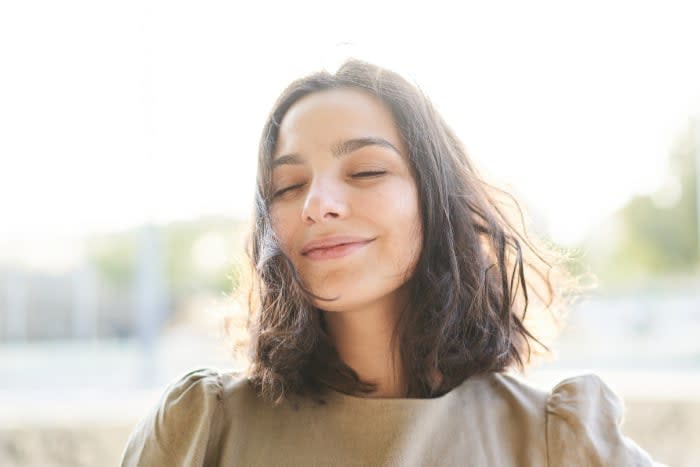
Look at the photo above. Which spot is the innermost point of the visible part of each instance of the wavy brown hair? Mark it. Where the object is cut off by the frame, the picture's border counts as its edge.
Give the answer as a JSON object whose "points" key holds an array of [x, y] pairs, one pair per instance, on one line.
{"points": [[477, 273]]}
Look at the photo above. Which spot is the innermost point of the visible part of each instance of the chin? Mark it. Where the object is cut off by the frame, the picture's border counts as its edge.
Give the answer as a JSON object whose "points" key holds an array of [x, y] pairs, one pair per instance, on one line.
{"points": [[340, 304], [335, 305]]}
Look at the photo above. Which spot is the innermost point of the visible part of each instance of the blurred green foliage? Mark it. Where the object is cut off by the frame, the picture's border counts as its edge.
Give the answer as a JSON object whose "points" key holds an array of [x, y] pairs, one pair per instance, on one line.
{"points": [[657, 234], [115, 256]]}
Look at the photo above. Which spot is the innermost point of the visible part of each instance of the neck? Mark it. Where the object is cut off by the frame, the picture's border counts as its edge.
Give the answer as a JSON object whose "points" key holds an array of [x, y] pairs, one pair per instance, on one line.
{"points": [[363, 341]]}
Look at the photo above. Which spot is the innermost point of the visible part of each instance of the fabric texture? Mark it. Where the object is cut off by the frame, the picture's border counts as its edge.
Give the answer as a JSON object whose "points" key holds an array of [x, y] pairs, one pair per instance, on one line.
{"points": [[210, 417]]}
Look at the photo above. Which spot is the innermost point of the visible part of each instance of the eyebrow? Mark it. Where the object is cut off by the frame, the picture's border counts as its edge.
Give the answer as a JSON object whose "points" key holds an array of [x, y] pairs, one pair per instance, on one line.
{"points": [[338, 149]]}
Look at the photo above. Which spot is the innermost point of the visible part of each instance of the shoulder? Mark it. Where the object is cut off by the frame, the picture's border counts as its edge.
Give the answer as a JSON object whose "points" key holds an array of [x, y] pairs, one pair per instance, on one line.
{"points": [[583, 425], [518, 394], [515, 384], [183, 427], [579, 397]]}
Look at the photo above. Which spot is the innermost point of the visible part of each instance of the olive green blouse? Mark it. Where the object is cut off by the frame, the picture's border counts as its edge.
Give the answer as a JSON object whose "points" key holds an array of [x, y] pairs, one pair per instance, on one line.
{"points": [[210, 417]]}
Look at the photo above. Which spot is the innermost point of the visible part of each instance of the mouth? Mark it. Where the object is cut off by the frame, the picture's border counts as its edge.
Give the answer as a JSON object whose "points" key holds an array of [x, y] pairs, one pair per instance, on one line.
{"points": [[335, 251]]}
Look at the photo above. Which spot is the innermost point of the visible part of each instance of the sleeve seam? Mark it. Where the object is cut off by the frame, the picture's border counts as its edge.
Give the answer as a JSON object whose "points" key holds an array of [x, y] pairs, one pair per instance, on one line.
{"points": [[546, 428], [215, 422]]}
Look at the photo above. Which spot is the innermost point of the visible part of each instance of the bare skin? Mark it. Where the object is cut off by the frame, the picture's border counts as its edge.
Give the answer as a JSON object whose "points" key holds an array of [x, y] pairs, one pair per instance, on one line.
{"points": [[362, 339]]}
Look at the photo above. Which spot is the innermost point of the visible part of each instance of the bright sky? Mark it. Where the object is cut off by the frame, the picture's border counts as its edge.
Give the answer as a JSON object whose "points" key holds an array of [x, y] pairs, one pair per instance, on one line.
{"points": [[113, 113]]}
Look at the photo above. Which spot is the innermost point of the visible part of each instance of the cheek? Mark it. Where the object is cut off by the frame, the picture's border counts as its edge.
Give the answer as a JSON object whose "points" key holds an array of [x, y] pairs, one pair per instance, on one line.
{"points": [[282, 223], [405, 225], [415, 231], [411, 239]]}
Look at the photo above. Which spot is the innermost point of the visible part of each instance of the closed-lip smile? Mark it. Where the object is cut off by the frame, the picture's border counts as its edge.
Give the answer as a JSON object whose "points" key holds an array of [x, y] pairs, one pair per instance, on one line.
{"points": [[331, 242]]}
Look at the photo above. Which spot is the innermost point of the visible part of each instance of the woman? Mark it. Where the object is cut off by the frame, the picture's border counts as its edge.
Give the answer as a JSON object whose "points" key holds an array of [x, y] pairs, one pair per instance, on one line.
{"points": [[385, 317]]}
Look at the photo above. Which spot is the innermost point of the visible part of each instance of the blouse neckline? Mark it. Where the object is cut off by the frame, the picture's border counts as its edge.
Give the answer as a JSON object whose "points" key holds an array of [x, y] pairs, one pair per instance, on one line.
{"points": [[403, 401]]}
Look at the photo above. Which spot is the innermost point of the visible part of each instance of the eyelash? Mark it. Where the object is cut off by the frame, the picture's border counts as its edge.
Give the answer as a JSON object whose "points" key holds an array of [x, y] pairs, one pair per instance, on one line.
{"points": [[367, 174]]}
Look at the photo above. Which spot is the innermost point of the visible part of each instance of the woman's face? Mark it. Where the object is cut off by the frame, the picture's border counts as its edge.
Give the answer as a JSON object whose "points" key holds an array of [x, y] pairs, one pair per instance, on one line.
{"points": [[340, 175]]}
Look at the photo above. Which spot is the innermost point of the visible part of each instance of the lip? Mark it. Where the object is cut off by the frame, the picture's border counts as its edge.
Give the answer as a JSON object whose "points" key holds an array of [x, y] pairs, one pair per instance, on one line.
{"points": [[333, 246], [335, 251]]}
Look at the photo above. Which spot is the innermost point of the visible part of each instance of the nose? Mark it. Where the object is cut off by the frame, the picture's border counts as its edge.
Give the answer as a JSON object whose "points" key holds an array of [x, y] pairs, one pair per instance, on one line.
{"points": [[325, 200]]}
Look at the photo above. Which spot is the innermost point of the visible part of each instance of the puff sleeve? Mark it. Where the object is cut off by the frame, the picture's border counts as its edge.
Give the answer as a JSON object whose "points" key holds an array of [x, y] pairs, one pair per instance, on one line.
{"points": [[183, 428], [583, 418]]}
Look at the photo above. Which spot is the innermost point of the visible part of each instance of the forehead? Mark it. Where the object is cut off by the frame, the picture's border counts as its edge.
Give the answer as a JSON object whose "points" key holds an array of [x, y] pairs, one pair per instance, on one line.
{"points": [[320, 119]]}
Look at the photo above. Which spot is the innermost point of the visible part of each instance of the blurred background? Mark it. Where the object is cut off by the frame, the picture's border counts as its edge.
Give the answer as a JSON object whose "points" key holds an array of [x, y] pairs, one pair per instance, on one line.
{"points": [[128, 139]]}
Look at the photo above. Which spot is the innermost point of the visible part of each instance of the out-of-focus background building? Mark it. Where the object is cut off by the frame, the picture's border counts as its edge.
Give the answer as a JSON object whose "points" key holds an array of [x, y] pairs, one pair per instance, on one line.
{"points": [[128, 138]]}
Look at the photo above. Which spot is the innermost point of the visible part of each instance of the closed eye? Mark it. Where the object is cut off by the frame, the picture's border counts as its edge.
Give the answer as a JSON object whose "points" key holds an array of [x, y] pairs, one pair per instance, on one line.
{"points": [[369, 174], [285, 190]]}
